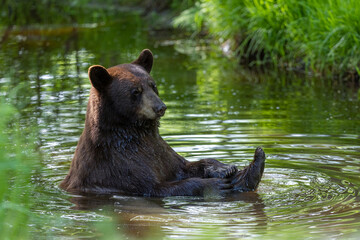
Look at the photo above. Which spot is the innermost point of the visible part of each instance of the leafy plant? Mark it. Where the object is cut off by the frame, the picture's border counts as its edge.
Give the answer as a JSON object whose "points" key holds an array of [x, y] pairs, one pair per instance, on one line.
{"points": [[17, 158], [319, 35]]}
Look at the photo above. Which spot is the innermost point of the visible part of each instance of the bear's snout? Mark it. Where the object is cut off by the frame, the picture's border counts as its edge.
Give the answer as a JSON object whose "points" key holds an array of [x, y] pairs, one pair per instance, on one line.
{"points": [[160, 109], [151, 106]]}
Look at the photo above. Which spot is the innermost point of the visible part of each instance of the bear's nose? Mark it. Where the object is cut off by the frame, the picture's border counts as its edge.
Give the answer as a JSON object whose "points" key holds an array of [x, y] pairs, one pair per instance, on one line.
{"points": [[160, 110]]}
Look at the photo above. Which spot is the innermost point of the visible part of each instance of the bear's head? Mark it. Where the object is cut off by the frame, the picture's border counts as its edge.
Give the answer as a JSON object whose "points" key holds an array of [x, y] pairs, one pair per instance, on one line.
{"points": [[126, 94]]}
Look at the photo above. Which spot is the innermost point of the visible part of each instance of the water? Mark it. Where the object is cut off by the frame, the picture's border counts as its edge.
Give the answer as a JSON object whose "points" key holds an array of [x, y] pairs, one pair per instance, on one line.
{"points": [[309, 128]]}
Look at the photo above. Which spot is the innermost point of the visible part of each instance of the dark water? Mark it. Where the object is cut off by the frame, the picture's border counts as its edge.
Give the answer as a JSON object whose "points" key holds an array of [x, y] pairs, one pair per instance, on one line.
{"points": [[308, 127]]}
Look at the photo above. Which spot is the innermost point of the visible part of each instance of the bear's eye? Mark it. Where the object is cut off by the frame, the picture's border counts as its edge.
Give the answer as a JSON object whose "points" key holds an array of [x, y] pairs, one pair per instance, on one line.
{"points": [[136, 92], [153, 86]]}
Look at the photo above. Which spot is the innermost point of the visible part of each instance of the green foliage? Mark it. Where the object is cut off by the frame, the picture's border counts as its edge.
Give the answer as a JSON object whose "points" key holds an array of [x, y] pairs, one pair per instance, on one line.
{"points": [[321, 35], [16, 166], [191, 19]]}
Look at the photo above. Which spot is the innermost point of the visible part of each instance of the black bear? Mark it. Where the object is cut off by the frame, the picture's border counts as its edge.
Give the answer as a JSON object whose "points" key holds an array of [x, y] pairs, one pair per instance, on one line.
{"points": [[120, 150]]}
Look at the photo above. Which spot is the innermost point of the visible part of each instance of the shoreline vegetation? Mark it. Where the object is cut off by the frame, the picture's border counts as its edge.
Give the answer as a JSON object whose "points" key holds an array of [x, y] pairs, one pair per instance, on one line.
{"points": [[321, 37]]}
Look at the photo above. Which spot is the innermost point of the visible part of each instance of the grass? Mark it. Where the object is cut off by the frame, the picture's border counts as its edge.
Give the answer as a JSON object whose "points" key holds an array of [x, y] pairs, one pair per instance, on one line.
{"points": [[322, 36], [17, 157]]}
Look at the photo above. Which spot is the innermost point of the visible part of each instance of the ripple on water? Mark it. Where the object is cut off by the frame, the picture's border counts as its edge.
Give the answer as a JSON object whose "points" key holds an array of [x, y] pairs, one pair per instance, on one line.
{"points": [[310, 183]]}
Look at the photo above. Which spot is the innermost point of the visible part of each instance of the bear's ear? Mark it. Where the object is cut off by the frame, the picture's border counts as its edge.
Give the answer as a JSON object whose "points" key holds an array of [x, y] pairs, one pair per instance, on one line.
{"points": [[145, 60], [99, 77]]}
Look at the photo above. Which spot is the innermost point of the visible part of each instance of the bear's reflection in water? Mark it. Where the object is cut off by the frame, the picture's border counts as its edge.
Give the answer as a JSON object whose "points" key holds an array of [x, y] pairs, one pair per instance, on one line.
{"points": [[143, 217]]}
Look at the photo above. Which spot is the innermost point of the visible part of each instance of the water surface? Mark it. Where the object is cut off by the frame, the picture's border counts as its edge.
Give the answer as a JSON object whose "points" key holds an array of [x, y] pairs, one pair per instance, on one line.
{"points": [[309, 128]]}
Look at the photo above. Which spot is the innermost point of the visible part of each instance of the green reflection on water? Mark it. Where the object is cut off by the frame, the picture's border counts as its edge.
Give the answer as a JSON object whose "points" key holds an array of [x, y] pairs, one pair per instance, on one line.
{"points": [[308, 127]]}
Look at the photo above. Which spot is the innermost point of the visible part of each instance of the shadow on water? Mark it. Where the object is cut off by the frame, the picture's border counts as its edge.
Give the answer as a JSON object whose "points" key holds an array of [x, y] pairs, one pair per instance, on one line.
{"points": [[308, 127]]}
